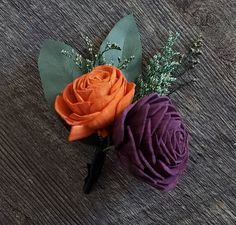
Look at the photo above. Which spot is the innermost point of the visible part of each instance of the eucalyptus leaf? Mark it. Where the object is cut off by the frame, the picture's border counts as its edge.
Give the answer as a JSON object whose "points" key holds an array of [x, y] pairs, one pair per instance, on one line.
{"points": [[56, 70], [125, 33]]}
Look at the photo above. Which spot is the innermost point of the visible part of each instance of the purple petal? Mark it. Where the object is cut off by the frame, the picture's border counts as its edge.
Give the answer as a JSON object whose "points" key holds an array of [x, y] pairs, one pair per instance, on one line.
{"points": [[128, 151], [119, 126], [151, 141], [162, 128], [165, 170], [166, 153], [149, 169], [138, 122], [147, 145], [163, 100], [140, 103], [157, 118]]}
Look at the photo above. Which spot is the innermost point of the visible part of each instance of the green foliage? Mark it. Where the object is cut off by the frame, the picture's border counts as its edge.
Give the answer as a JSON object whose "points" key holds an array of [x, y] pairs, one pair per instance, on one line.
{"points": [[59, 64], [125, 33], [191, 59], [166, 66], [98, 59], [159, 71], [56, 70], [76, 57]]}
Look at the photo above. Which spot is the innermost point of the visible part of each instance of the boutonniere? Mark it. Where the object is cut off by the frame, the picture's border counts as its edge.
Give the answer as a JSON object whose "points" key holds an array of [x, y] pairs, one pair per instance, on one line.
{"points": [[106, 99]]}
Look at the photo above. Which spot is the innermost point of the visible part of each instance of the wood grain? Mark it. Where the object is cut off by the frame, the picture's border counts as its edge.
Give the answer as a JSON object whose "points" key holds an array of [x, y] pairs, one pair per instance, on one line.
{"points": [[41, 174]]}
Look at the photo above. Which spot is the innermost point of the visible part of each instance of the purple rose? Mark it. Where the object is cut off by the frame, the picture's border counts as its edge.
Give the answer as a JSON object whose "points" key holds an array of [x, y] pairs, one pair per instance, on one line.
{"points": [[151, 141]]}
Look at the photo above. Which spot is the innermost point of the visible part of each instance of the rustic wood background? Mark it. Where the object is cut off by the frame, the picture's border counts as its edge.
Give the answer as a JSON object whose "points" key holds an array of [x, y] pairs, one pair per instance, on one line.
{"points": [[41, 174]]}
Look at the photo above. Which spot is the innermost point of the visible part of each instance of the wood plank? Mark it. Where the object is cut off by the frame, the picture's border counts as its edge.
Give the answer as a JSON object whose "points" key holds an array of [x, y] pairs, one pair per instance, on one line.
{"points": [[41, 174]]}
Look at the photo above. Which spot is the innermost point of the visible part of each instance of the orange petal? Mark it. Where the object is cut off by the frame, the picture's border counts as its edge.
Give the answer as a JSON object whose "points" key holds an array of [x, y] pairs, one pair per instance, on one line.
{"points": [[79, 84], [80, 108], [103, 68], [71, 101], [104, 119], [113, 77], [100, 91], [127, 99], [99, 76], [104, 132], [68, 94], [61, 107], [78, 132], [78, 120], [83, 95], [120, 81], [107, 115], [99, 104]]}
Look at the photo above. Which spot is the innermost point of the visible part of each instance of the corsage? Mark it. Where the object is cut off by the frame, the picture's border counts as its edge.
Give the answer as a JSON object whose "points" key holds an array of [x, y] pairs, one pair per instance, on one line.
{"points": [[108, 97]]}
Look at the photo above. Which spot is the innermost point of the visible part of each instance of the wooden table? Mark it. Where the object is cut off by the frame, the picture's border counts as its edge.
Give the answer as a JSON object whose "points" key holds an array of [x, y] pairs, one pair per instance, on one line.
{"points": [[41, 174]]}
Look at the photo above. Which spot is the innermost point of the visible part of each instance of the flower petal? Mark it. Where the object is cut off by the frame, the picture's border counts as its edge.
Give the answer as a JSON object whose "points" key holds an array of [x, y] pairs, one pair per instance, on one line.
{"points": [[138, 122], [128, 152], [119, 127], [79, 132], [61, 107], [147, 145], [127, 99]]}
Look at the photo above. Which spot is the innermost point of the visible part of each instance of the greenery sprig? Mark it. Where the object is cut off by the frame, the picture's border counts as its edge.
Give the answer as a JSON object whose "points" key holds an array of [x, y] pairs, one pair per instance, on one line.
{"points": [[166, 66], [88, 64], [191, 59], [77, 58], [162, 70], [159, 70]]}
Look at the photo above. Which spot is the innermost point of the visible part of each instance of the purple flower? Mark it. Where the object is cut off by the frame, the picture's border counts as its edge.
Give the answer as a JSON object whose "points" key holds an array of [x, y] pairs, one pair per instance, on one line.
{"points": [[151, 141]]}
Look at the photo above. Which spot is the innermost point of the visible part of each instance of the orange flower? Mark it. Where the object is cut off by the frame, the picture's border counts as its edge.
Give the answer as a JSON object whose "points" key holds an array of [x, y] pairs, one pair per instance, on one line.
{"points": [[92, 101]]}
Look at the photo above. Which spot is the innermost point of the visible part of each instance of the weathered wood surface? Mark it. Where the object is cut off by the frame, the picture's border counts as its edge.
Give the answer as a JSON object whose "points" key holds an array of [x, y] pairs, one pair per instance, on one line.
{"points": [[41, 174]]}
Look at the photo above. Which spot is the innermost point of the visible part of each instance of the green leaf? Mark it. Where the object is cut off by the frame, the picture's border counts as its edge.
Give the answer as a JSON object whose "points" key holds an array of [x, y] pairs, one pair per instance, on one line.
{"points": [[125, 33], [56, 70]]}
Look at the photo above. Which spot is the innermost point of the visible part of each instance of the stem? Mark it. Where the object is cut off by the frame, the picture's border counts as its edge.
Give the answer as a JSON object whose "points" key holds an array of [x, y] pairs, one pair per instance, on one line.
{"points": [[181, 86], [106, 50], [95, 168]]}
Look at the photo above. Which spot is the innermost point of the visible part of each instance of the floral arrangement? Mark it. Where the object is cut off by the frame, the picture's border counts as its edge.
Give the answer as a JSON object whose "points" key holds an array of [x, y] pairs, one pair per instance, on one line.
{"points": [[108, 100]]}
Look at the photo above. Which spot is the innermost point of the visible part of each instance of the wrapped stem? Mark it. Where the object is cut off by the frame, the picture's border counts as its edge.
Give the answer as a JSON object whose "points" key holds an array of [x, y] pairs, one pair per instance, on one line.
{"points": [[95, 168]]}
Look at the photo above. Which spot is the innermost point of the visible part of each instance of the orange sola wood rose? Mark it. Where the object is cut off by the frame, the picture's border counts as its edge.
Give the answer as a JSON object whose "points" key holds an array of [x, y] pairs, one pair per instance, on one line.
{"points": [[92, 101]]}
